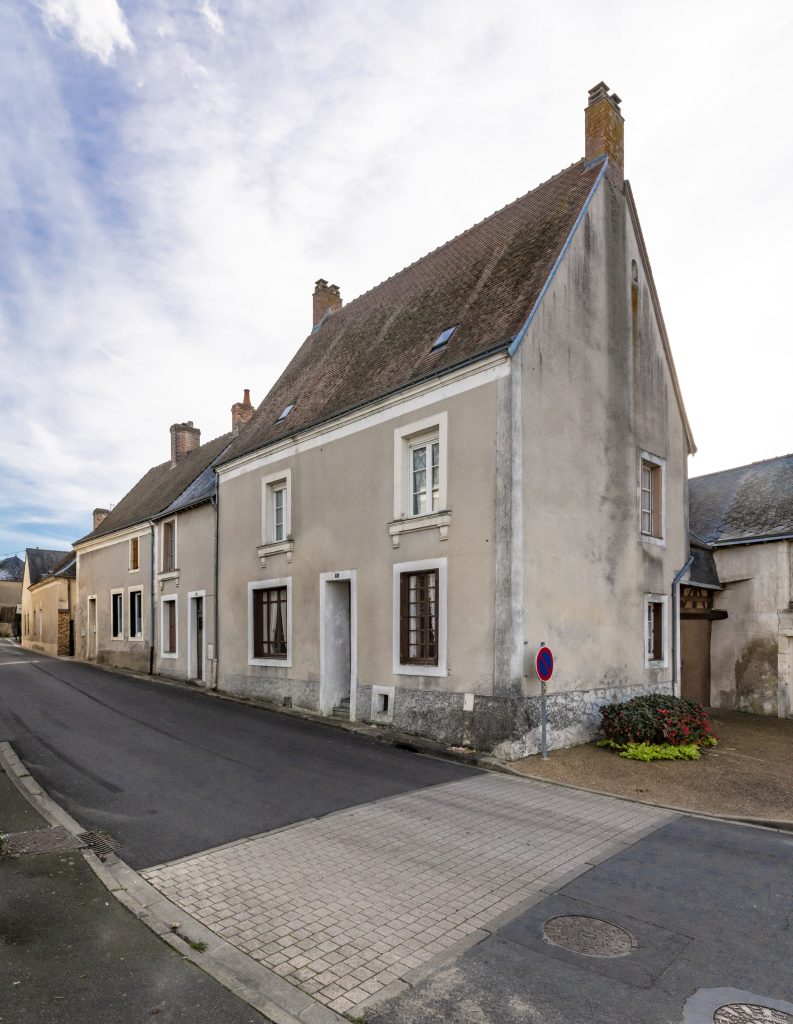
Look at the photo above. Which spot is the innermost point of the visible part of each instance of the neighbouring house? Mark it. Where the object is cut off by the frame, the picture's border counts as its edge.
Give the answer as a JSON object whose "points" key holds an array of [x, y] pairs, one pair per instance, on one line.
{"points": [[147, 569], [484, 453], [742, 538], [49, 601], [12, 571]]}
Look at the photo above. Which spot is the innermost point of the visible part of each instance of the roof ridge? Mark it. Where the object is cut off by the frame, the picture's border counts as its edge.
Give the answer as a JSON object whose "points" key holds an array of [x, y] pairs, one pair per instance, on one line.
{"points": [[459, 235], [748, 465]]}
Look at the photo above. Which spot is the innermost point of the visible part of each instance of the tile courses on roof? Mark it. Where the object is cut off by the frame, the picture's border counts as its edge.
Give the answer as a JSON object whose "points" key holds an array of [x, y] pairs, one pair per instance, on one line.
{"points": [[42, 562], [748, 503], [161, 486], [12, 570], [485, 280], [703, 572]]}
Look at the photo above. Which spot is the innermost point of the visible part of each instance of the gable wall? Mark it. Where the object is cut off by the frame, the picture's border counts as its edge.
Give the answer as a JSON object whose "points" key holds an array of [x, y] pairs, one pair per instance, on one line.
{"points": [[591, 402], [49, 607], [10, 597]]}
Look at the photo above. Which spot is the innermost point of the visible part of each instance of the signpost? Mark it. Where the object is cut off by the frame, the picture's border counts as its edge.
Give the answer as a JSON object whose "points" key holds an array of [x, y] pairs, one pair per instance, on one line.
{"points": [[543, 666]]}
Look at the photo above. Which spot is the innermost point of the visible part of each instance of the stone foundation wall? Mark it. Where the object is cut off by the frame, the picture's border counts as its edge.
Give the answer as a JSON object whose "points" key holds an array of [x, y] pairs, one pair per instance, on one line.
{"points": [[134, 661], [303, 694]]}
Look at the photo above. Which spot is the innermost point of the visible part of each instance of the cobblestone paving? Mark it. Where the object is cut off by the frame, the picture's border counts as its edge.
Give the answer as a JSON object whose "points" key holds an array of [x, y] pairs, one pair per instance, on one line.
{"points": [[344, 905]]}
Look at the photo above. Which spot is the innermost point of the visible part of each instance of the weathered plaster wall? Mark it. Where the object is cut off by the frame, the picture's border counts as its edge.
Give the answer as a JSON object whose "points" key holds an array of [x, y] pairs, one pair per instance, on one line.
{"points": [[342, 503], [100, 570], [751, 649], [10, 597], [194, 574], [48, 610]]}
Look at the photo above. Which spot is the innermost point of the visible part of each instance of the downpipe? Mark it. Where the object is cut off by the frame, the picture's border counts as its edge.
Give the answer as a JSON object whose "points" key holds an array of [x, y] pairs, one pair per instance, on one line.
{"points": [[676, 627]]}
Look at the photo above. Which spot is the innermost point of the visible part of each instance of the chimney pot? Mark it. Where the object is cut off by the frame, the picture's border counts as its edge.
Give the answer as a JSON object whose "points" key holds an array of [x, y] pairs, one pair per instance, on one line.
{"points": [[242, 412], [100, 514], [327, 299], [184, 438], [604, 131]]}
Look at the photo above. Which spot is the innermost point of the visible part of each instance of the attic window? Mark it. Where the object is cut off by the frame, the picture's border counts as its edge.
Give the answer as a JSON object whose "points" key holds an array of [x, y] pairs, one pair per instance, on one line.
{"points": [[285, 413], [443, 337]]}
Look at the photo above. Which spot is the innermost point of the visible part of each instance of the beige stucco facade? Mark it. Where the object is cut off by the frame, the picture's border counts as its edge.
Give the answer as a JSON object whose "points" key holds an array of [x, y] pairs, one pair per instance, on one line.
{"points": [[104, 568], [10, 599], [48, 608], [752, 649], [537, 537]]}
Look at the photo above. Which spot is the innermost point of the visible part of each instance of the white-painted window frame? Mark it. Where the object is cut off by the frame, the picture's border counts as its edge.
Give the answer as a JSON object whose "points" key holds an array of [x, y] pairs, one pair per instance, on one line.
{"points": [[655, 460], [169, 599], [163, 524], [271, 484], [114, 593], [131, 541], [663, 600], [421, 566], [136, 637], [284, 581], [413, 435]]}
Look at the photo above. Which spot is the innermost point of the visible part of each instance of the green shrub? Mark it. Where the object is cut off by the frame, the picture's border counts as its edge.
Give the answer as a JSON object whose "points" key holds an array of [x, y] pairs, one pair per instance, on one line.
{"points": [[657, 719], [653, 751]]}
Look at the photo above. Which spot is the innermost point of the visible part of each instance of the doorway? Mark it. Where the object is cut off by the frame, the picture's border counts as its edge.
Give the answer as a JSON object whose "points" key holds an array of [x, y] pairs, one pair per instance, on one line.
{"points": [[695, 660], [196, 656], [338, 656], [92, 645]]}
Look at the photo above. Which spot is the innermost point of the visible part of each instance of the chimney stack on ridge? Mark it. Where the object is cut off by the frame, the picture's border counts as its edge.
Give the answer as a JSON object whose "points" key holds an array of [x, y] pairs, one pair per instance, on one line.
{"points": [[604, 132], [326, 299], [242, 412], [184, 438], [100, 514]]}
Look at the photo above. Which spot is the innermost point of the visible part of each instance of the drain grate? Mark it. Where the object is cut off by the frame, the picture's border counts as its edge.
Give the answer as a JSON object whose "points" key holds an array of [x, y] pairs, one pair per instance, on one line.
{"points": [[40, 840], [101, 842], [589, 936], [750, 1013]]}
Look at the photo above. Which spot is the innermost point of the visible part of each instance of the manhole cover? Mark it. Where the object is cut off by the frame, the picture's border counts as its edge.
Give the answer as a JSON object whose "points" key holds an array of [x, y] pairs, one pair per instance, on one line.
{"points": [[589, 936], [101, 842], [40, 840], [750, 1013]]}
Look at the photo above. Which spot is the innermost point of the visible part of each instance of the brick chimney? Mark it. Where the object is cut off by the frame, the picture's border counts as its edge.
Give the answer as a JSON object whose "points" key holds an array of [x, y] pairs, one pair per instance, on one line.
{"points": [[326, 299], [100, 514], [604, 132], [184, 438], [241, 412]]}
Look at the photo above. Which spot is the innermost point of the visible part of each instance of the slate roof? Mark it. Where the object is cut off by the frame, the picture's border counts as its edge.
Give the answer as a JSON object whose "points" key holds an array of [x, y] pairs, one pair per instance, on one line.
{"points": [[12, 569], [703, 571], [159, 487], [42, 562], [753, 502], [199, 491], [485, 280], [65, 568]]}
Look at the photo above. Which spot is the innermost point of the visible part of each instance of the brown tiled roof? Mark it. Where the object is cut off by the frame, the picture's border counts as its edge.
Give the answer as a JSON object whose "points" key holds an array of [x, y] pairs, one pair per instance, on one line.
{"points": [[158, 488], [486, 281]]}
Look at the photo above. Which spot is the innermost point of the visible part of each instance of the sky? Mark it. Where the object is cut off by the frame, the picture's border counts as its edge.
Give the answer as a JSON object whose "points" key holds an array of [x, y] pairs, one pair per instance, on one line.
{"points": [[174, 176]]}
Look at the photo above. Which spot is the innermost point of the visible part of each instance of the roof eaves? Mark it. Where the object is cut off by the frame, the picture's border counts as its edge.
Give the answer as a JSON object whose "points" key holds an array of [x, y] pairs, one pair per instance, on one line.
{"points": [[759, 538], [518, 339]]}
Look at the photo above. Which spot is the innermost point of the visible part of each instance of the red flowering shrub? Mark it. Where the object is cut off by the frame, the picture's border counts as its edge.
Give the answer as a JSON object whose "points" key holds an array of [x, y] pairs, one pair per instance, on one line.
{"points": [[656, 718]]}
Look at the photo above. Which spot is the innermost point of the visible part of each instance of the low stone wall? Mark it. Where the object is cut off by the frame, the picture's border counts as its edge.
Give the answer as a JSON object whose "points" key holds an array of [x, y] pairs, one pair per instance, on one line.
{"points": [[303, 694]]}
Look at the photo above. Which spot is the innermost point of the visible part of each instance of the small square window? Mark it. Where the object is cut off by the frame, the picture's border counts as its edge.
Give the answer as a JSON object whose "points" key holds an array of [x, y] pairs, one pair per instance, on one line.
{"points": [[285, 412], [443, 338]]}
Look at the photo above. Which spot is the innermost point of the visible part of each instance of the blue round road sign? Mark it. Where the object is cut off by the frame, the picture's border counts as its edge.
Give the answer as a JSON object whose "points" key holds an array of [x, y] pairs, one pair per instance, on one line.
{"points": [[544, 664]]}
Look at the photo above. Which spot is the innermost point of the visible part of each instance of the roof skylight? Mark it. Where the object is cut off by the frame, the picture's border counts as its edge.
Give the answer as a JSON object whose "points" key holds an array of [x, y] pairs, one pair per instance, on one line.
{"points": [[443, 337], [286, 412]]}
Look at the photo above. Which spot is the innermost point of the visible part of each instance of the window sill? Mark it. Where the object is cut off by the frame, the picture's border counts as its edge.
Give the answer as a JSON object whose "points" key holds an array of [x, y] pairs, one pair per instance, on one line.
{"points": [[435, 520], [172, 655], [271, 662], [135, 570], [647, 538], [279, 547], [172, 574]]}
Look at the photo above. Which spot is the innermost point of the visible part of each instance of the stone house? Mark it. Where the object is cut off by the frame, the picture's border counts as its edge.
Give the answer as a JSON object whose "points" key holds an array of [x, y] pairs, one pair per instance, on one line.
{"points": [[737, 609], [483, 453], [147, 569], [49, 601], [12, 571]]}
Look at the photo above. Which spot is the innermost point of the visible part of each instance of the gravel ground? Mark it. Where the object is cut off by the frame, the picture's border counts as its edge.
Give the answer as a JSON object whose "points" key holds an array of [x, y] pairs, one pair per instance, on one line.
{"points": [[749, 774]]}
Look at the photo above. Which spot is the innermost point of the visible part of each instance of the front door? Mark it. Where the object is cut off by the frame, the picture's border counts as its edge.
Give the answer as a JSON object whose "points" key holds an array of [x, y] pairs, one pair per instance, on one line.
{"points": [[695, 660], [336, 654], [91, 627], [199, 637]]}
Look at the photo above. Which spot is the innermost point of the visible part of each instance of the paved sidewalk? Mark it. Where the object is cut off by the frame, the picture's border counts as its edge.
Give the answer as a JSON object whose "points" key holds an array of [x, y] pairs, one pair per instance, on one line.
{"points": [[70, 952], [348, 905]]}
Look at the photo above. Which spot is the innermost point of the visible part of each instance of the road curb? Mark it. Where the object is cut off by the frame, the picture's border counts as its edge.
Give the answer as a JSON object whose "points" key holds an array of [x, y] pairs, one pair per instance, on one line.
{"points": [[260, 988]]}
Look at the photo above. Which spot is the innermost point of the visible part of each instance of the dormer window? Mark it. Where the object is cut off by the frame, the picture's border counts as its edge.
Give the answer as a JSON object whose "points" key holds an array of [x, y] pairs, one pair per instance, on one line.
{"points": [[443, 338], [285, 413]]}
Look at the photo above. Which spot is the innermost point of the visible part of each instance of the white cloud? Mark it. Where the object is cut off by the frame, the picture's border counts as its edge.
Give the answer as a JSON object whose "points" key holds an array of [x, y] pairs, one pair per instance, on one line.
{"points": [[212, 17], [98, 26]]}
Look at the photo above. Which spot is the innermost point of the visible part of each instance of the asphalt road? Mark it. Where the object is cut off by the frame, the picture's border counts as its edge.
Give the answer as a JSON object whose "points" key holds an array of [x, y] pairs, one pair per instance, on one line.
{"points": [[169, 771]]}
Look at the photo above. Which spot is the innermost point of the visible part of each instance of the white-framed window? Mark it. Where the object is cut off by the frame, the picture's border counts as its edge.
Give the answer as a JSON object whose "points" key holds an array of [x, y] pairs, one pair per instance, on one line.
{"points": [[135, 597], [419, 618], [277, 507], [169, 627], [656, 631], [134, 554], [652, 498], [421, 467], [168, 540], [270, 622], [117, 614]]}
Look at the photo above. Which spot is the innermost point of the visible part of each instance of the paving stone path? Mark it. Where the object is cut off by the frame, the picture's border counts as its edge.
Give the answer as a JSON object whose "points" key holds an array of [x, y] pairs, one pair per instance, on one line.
{"points": [[342, 906]]}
